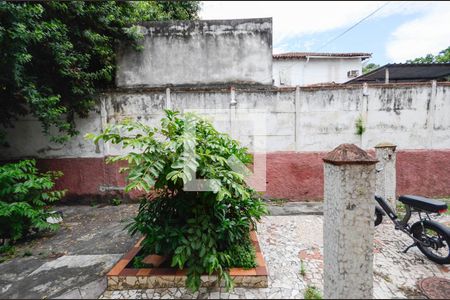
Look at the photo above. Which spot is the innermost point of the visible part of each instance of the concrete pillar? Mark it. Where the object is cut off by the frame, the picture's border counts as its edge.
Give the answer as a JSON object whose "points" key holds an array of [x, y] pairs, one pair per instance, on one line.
{"points": [[386, 175], [349, 205], [298, 107], [431, 112], [168, 99]]}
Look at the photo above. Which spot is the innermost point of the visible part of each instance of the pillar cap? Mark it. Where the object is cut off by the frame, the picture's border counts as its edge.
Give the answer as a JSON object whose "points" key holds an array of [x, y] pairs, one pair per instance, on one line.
{"points": [[386, 145], [349, 154]]}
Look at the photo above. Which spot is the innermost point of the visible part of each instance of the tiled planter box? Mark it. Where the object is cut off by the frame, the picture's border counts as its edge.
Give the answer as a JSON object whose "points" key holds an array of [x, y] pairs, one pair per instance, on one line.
{"points": [[122, 277]]}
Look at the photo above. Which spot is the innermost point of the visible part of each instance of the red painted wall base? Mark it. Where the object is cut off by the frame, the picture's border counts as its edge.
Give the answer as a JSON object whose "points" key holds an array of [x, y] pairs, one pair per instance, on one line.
{"points": [[296, 176]]}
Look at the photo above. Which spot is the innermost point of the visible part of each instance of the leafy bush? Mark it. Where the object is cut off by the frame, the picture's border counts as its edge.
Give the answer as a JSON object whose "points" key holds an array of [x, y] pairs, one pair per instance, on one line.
{"points": [[56, 55], [200, 230], [24, 195]]}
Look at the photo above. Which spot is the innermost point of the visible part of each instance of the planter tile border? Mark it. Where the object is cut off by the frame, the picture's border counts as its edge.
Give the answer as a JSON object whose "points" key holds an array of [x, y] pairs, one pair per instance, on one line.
{"points": [[121, 278]]}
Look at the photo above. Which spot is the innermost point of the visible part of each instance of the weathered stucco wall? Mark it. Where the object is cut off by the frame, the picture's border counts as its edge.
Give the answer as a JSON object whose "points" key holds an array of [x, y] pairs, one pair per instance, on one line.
{"points": [[199, 52], [302, 124]]}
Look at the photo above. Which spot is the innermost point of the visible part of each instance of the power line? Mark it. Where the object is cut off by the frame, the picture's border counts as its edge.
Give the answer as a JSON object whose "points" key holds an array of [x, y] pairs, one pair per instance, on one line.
{"points": [[354, 25], [335, 38]]}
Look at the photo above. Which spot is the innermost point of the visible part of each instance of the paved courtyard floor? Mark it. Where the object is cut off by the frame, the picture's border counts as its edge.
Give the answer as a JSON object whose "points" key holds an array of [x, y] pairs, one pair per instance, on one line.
{"points": [[290, 241], [72, 263]]}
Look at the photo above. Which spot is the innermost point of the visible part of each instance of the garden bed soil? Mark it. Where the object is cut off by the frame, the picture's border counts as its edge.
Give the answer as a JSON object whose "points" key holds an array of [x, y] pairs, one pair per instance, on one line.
{"points": [[123, 276]]}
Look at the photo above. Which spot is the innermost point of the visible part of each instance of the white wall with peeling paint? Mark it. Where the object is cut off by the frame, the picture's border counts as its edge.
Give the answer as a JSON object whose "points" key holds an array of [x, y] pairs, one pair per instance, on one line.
{"points": [[306, 119]]}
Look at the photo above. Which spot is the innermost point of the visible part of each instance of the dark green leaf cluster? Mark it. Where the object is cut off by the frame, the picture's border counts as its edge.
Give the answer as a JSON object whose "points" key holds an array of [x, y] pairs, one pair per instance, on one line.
{"points": [[24, 196], [242, 254], [55, 55], [200, 230], [369, 68], [442, 57]]}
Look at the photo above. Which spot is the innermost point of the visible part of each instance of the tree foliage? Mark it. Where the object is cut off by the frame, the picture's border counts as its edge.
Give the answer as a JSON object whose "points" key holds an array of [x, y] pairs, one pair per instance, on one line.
{"points": [[55, 55], [206, 231], [24, 196], [442, 57], [369, 68]]}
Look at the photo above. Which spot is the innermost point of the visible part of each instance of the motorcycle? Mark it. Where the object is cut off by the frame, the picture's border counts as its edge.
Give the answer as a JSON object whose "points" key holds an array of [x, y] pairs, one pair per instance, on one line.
{"points": [[432, 238]]}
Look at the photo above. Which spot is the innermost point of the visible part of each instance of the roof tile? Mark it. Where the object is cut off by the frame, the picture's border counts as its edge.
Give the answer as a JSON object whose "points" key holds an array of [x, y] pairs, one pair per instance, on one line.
{"points": [[306, 54]]}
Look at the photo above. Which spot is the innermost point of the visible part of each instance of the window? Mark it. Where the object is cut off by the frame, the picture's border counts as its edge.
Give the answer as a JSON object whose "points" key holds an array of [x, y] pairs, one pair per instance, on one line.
{"points": [[352, 73]]}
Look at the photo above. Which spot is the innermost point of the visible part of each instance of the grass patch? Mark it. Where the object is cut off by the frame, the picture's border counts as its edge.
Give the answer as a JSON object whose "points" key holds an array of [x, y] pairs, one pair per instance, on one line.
{"points": [[312, 292], [400, 210], [359, 126], [7, 252], [383, 276], [302, 268], [277, 201], [116, 201], [400, 207]]}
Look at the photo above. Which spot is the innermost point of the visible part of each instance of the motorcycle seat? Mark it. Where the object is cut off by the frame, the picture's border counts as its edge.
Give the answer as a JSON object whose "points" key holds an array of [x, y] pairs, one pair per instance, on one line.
{"points": [[422, 203]]}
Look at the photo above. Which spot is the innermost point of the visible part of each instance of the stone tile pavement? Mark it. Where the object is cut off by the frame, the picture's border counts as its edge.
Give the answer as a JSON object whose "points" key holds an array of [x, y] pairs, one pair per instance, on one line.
{"points": [[72, 262], [290, 241]]}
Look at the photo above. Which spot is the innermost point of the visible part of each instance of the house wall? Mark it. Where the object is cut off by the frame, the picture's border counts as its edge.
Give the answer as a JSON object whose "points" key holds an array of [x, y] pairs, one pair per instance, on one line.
{"points": [[199, 52], [301, 72], [301, 126]]}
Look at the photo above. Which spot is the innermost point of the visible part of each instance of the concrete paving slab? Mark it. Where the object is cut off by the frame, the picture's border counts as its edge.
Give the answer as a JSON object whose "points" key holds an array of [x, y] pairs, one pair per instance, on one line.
{"points": [[74, 276], [72, 262], [296, 208]]}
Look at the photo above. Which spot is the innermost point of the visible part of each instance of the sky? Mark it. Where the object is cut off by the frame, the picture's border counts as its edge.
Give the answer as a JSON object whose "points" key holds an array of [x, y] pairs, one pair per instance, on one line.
{"points": [[398, 31]]}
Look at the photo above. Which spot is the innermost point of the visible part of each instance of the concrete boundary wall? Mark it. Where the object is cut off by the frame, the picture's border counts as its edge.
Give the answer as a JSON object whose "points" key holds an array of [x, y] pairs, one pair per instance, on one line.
{"points": [[198, 52], [302, 125]]}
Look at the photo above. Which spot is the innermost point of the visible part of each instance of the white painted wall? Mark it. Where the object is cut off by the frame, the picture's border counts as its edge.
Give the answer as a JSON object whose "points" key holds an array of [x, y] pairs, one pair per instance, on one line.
{"points": [[293, 72], [311, 119]]}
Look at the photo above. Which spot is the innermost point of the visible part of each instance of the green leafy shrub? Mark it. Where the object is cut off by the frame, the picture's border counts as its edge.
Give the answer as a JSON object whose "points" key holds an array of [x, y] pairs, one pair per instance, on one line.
{"points": [[200, 230], [242, 255], [24, 195]]}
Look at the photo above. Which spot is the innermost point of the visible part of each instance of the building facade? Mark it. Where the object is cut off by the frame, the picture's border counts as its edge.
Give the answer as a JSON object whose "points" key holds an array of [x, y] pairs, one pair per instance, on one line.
{"points": [[307, 68]]}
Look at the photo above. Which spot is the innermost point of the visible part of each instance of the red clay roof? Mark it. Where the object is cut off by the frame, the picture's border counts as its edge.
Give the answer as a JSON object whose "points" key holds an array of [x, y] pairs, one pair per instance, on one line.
{"points": [[306, 54]]}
